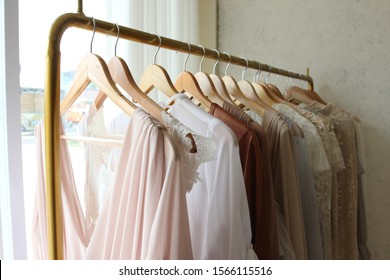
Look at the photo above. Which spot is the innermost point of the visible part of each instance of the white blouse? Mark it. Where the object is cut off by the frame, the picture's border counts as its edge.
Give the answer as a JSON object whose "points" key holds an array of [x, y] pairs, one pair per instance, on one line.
{"points": [[217, 204]]}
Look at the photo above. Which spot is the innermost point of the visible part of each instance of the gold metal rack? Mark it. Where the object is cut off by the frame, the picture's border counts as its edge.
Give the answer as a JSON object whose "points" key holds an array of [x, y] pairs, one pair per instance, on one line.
{"points": [[52, 101]]}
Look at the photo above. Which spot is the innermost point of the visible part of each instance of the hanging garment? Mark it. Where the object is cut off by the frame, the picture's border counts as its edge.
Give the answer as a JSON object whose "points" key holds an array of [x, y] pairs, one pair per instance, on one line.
{"points": [[317, 168], [145, 212], [335, 159], [364, 253], [345, 226], [309, 201], [101, 160], [286, 250], [258, 179], [217, 204], [281, 132], [250, 157]]}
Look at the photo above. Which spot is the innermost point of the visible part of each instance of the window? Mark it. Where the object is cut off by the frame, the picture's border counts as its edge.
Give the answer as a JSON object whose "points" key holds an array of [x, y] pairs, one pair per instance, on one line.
{"points": [[170, 18]]}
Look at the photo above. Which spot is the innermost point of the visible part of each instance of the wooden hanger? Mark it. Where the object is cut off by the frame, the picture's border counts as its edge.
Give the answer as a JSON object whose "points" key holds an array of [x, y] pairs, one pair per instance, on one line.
{"points": [[208, 87], [262, 91], [206, 84], [248, 90], [121, 75], [235, 91], [92, 68], [273, 92], [223, 92], [155, 76], [186, 82], [303, 95], [220, 86]]}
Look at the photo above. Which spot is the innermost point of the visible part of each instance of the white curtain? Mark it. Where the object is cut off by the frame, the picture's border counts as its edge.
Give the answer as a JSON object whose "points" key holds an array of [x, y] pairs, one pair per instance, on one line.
{"points": [[12, 222]]}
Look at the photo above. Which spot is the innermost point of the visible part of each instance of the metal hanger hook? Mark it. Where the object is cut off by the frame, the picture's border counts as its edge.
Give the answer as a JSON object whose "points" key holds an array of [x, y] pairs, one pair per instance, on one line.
{"points": [[230, 60], [117, 37], [215, 64], [158, 49], [204, 55], [255, 77], [93, 34], [261, 73], [188, 55], [244, 71], [277, 77], [269, 73]]}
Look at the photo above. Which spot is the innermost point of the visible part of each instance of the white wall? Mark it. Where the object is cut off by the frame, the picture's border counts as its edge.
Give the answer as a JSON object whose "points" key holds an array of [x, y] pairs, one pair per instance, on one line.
{"points": [[208, 29], [346, 44]]}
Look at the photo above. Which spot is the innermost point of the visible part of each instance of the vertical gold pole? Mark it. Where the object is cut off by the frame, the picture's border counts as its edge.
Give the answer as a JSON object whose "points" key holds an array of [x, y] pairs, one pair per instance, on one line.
{"points": [[311, 83], [52, 148], [80, 7]]}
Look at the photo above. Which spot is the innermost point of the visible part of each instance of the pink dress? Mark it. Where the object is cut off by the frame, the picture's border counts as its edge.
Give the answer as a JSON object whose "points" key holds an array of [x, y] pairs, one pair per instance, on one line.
{"points": [[144, 215]]}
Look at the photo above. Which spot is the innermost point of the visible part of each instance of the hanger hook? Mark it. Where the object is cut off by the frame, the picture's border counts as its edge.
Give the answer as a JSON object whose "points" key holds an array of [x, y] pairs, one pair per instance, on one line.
{"points": [[269, 73], [256, 76], [204, 55], [158, 49], [261, 73], [277, 77], [215, 64], [93, 34], [188, 55], [247, 65], [230, 60], [117, 37]]}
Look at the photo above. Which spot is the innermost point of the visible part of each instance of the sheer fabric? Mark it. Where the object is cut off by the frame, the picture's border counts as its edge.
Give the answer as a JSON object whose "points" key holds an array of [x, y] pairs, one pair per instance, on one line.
{"points": [[335, 158], [344, 227], [217, 204], [309, 202], [281, 132], [364, 253], [144, 215], [317, 165], [101, 160]]}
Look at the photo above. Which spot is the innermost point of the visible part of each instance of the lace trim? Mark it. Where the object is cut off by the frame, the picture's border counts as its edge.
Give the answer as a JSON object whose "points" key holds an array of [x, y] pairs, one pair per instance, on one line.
{"points": [[205, 149]]}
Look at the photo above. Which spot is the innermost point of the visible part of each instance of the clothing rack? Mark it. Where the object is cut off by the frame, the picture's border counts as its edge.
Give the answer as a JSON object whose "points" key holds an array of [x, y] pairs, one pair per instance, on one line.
{"points": [[52, 100]]}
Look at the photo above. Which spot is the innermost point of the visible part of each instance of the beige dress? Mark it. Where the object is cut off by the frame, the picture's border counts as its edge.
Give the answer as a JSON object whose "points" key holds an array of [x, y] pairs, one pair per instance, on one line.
{"points": [[321, 171], [280, 132], [335, 159], [344, 221]]}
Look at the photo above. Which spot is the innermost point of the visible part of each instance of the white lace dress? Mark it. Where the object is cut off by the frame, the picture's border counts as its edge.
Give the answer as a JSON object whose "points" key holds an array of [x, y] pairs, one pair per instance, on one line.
{"points": [[344, 202]]}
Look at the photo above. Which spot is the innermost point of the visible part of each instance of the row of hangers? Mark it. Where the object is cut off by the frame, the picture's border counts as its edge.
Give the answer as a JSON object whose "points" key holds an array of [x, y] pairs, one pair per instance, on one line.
{"points": [[202, 88]]}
